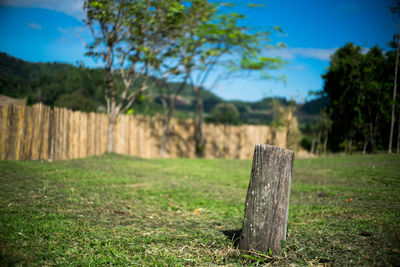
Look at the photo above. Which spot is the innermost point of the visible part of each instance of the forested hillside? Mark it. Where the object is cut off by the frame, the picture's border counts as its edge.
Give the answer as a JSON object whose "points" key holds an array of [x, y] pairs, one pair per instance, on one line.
{"points": [[54, 84]]}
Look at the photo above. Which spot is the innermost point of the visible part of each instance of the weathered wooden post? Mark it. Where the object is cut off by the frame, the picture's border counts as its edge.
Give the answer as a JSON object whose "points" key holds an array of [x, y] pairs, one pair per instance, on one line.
{"points": [[267, 200]]}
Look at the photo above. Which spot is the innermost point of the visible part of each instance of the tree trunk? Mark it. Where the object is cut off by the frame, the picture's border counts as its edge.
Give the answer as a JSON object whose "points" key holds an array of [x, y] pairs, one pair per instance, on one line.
{"points": [[366, 141], [267, 200], [373, 127], [394, 96], [312, 150], [398, 136], [372, 137], [112, 110], [169, 109], [318, 140], [198, 124], [326, 142], [350, 145], [166, 119]]}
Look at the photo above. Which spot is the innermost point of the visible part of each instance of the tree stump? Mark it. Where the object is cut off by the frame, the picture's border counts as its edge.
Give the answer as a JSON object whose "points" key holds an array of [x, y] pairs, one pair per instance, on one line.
{"points": [[267, 200]]}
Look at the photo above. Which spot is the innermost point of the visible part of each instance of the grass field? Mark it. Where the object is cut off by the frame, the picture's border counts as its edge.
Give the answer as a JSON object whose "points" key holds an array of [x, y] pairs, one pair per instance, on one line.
{"points": [[117, 210]]}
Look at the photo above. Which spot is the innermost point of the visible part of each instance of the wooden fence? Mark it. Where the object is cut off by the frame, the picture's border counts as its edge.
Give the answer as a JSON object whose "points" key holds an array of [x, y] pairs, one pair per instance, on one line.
{"points": [[41, 133]]}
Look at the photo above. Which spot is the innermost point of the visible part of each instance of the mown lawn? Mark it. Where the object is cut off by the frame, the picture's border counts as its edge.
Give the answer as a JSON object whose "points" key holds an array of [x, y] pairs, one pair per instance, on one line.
{"points": [[118, 210]]}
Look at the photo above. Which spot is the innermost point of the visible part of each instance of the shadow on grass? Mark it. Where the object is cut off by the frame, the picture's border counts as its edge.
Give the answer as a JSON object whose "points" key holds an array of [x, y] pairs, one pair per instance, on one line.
{"points": [[233, 235]]}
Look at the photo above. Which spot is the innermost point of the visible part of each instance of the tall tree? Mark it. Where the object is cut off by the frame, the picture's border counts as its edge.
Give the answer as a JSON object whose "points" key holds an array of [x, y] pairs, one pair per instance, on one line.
{"points": [[222, 46], [394, 95], [342, 86], [177, 61], [359, 87], [326, 126], [394, 9], [372, 93], [127, 37], [398, 136]]}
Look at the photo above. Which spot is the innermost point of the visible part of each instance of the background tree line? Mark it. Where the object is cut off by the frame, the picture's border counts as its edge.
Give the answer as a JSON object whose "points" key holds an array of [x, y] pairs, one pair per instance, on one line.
{"points": [[359, 87]]}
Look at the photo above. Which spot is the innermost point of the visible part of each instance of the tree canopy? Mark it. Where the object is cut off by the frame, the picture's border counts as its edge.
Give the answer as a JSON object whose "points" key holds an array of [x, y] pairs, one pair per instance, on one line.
{"points": [[358, 85]]}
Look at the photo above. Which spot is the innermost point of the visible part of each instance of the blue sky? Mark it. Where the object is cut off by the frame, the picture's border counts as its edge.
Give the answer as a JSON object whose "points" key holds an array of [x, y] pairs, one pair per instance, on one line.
{"points": [[52, 30]]}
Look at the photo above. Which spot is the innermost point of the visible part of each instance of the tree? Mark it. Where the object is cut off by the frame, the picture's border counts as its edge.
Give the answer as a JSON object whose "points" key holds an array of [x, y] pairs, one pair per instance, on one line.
{"points": [[76, 101], [225, 113], [342, 86], [327, 127], [398, 136], [177, 61], [222, 46], [372, 96], [394, 9], [127, 37], [359, 89], [394, 95]]}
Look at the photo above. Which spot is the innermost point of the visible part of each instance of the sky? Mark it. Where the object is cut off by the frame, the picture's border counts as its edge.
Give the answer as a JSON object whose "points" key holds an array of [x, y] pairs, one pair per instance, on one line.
{"points": [[53, 31]]}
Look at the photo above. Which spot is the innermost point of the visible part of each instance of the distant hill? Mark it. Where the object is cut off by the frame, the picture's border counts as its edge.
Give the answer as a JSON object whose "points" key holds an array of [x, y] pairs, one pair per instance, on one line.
{"points": [[308, 114], [80, 88], [54, 84], [5, 100], [314, 106]]}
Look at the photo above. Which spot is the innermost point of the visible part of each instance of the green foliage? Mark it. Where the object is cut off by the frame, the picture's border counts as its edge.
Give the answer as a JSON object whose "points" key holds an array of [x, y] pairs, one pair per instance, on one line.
{"points": [[119, 210], [76, 101], [225, 113], [255, 5], [136, 40], [53, 84], [130, 111], [222, 45], [315, 106], [306, 143], [359, 89]]}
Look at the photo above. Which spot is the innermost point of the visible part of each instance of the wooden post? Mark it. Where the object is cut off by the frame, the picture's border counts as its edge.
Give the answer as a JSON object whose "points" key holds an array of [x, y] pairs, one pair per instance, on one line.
{"points": [[267, 200]]}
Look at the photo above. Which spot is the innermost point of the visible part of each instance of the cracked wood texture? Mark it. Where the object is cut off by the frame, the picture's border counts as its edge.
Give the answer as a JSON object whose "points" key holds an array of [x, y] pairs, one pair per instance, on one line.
{"points": [[267, 200]]}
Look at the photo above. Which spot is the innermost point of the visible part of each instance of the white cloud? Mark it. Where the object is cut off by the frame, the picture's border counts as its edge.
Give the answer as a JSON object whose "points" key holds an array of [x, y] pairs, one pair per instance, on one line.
{"points": [[317, 53], [298, 67], [70, 31], [70, 7], [34, 26], [69, 34], [291, 53]]}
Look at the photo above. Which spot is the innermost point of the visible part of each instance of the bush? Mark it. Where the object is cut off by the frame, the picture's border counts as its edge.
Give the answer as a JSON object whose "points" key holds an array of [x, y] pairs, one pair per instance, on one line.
{"points": [[76, 101], [225, 113], [306, 143]]}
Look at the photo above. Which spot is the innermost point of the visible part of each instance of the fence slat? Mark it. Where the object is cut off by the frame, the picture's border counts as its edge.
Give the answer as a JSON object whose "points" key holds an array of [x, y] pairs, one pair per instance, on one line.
{"points": [[3, 131], [10, 143]]}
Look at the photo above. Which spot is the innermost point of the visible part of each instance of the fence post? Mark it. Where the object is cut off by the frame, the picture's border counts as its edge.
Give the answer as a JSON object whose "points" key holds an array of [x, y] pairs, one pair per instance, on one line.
{"points": [[267, 200]]}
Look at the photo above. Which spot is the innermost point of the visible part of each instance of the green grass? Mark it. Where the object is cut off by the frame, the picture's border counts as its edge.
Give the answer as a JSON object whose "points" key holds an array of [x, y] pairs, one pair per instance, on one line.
{"points": [[118, 210]]}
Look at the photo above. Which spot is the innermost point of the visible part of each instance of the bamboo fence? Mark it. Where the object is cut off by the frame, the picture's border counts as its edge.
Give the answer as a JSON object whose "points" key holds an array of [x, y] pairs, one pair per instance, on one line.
{"points": [[41, 133]]}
